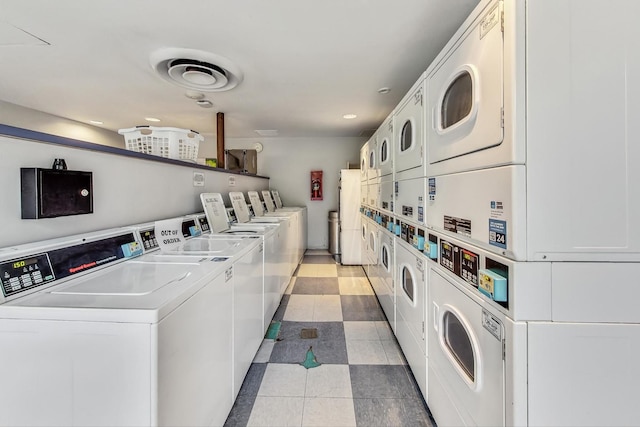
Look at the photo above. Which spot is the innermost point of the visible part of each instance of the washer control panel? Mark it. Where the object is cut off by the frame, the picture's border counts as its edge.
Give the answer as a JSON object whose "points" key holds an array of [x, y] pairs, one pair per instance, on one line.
{"points": [[34, 270], [21, 274]]}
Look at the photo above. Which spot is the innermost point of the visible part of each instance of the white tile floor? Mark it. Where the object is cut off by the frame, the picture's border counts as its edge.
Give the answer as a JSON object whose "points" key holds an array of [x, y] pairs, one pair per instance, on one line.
{"points": [[370, 384]]}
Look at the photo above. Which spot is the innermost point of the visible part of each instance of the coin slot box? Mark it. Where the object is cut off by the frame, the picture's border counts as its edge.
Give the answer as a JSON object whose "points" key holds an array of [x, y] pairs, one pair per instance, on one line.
{"points": [[50, 193]]}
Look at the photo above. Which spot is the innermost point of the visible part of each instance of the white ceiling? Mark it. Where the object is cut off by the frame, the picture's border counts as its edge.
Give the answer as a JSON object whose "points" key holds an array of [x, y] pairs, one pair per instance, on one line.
{"points": [[305, 63]]}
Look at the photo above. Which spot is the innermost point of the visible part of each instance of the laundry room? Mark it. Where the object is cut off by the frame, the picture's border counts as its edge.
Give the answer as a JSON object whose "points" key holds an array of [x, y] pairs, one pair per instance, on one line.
{"points": [[337, 213]]}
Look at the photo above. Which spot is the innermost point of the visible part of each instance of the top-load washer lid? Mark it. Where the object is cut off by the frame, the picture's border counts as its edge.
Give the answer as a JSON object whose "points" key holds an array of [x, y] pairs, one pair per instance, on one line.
{"points": [[258, 209], [205, 245], [136, 291], [219, 221]]}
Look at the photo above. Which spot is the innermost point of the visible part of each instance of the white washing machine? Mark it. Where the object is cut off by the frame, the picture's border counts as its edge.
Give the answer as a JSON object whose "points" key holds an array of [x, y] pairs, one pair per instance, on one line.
{"points": [[93, 340], [384, 140], [411, 294], [287, 236], [275, 278], [386, 270], [247, 256], [408, 131], [488, 102], [371, 254], [409, 198]]}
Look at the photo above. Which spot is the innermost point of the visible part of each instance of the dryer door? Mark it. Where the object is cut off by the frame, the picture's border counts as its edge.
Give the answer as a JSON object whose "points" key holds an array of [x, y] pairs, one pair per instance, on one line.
{"points": [[465, 92], [465, 357]]}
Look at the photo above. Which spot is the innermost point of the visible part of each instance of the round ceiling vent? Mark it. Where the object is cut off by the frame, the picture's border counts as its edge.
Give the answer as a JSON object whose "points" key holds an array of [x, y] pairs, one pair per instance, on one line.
{"points": [[195, 69]]}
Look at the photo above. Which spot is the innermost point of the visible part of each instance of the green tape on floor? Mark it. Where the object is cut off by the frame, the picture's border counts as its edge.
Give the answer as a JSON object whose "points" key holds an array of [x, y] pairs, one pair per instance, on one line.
{"points": [[273, 331], [310, 360]]}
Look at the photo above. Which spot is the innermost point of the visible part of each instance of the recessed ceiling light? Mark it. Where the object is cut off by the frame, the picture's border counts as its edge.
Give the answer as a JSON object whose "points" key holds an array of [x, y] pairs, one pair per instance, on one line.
{"points": [[349, 116], [204, 103], [151, 119], [96, 122], [192, 94], [384, 90]]}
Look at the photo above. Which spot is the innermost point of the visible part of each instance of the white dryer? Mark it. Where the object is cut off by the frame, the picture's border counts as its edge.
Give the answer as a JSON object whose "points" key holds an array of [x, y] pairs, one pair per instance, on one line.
{"points": [[364, 162], [408, 132], [386, 271], [110, 342], [409, 198], [514, 176], [411, 294], [384, 145], [373, 169]]}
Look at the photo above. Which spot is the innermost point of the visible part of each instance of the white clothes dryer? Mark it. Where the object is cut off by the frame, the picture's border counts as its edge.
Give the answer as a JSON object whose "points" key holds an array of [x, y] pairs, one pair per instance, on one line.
{"points": [[409, 198], [408, 131], [110, 342], [411, 294], [386, 270], [384, 143]]}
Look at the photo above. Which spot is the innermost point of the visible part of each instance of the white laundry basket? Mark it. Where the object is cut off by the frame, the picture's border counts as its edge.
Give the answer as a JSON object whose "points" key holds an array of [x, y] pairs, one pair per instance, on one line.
{"points": [[172, 143]]}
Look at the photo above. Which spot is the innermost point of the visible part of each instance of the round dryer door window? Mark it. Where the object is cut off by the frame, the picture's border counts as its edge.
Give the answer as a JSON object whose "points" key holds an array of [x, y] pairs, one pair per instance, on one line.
{"points": [[408, 284], [406, 136], [384, 150], [459, 344], [457, 100]]}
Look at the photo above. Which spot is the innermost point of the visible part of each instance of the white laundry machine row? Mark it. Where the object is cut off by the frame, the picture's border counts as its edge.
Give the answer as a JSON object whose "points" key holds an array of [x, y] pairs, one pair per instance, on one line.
{"points": [[513, 175], [287, 230], [298, 214], [530, 343], [275, 276], [93, 337]]}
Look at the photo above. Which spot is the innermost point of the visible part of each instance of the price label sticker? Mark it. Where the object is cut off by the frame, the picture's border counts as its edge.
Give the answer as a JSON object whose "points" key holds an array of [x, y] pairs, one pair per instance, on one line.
{"points": [[498, 233]]}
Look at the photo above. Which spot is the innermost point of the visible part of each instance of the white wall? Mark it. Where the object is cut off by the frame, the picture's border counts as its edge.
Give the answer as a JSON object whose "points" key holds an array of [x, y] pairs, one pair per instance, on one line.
{"points": [[25, 118], [288, 163], [126, 190]]}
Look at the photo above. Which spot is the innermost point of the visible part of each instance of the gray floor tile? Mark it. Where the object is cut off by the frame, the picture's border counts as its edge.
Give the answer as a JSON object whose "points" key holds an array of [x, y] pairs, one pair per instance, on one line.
{"points": [[241, 411], [253, 379], [318, 259], [316, 286], [361, 307], [350, 271], [383, 381], [279, 315], [391, 412], [295, 351]]}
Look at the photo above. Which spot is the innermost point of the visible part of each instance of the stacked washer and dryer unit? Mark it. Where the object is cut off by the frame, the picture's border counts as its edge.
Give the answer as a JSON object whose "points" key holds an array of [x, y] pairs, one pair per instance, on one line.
{"points": [[530, 249]]}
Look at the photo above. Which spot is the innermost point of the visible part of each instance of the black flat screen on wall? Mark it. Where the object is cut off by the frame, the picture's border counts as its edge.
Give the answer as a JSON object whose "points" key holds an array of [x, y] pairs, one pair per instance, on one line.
{"points": [[49, 193]]}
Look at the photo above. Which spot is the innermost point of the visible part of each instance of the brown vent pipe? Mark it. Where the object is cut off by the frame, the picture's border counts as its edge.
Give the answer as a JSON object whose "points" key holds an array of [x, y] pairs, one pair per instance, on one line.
{"points": [[220, 138]]}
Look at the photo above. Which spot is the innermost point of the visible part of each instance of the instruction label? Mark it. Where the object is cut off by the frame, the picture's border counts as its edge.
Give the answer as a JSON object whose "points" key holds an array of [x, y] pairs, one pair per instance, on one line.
{"points": [[492, 324], [498, 233], [457, 225], [432, 189]]}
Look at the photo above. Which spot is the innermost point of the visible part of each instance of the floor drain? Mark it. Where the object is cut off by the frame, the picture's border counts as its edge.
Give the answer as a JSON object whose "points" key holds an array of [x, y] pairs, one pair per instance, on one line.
{"points": [[310, 333]]}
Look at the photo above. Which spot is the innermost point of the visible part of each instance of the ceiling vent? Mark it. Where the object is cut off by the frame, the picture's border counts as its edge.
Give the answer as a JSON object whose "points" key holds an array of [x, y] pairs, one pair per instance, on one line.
{"points": [[196, 69]]}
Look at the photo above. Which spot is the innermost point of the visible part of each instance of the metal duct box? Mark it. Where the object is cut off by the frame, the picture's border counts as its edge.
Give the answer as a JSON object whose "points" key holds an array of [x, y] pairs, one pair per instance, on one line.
{"points": [[49, 193], [244, 161]]}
